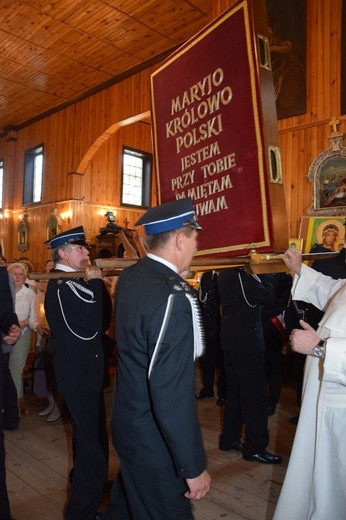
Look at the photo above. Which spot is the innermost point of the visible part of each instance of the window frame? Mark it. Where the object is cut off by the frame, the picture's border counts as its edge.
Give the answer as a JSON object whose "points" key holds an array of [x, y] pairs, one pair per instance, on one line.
{"points": [[29, 174], [147, 158]]}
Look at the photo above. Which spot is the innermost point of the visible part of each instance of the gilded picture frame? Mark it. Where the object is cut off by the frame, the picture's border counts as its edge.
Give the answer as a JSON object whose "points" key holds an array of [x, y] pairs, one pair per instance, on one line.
{"points": [[327, 175]]}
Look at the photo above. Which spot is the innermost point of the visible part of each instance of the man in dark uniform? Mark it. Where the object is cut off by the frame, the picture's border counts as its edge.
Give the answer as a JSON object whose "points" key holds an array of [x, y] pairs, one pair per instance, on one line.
{"points": [[10, 332], [274, 335], [242, 340], [158, 334], [212, 359], [75, 313]]}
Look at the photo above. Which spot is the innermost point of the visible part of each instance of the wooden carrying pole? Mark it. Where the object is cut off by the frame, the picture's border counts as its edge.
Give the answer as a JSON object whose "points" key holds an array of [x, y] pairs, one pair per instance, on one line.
{"points": [[114, 266], [255, 263]]}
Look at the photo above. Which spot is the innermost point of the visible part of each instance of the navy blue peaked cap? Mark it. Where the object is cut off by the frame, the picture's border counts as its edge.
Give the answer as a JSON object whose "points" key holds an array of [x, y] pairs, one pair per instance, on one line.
{"points": [[74, 236], [169, 216]]}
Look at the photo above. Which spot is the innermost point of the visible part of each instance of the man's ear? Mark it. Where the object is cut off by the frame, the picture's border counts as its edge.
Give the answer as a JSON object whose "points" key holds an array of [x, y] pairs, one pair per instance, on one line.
{"points": [[179, 240], [62, 252]]}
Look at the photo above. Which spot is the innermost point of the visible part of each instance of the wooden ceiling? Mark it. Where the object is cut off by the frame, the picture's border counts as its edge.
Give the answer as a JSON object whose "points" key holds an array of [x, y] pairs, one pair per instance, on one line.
{"points": [[54, 52]]}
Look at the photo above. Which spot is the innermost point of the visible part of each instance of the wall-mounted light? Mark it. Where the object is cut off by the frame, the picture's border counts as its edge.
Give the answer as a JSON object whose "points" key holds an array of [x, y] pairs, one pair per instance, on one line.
{"points": [[4, 214], [66, 216], [23, 216]]}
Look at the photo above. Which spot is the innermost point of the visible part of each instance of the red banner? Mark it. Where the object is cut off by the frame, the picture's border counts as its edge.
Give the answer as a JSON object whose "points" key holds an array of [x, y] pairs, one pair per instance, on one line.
{"points": [[207, 134]]}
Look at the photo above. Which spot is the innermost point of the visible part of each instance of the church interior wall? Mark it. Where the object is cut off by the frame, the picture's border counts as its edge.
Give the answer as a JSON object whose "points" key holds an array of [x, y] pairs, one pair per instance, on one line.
{"points": [[83, 142]]}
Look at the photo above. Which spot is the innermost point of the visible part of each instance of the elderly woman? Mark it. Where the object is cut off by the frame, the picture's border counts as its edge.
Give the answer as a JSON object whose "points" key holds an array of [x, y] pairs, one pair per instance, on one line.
{"points": [[25, 310]]}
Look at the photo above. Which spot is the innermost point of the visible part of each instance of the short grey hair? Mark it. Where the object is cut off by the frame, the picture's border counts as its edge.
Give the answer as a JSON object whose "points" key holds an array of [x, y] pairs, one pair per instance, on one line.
{"points": [[55, 252], [159, 240]]}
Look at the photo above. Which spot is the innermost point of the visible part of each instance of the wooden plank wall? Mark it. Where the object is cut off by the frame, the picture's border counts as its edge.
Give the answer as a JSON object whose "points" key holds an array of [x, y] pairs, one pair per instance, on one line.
{"points": [[82, 163], [304, 137], [82, 175]]}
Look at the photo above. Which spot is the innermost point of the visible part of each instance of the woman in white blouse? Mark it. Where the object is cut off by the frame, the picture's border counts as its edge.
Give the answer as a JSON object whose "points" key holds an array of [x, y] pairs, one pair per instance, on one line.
{"points": [[25, 310]]}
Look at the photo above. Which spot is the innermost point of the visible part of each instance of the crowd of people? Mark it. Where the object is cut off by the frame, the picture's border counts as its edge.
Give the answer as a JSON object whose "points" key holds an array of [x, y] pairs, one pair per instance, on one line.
{"points": [[163, 327], [28, 306]]}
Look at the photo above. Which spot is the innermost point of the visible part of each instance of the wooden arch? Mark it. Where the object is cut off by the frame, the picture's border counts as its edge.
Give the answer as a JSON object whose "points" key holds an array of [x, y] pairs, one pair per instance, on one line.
{"points": [[145, 116]]}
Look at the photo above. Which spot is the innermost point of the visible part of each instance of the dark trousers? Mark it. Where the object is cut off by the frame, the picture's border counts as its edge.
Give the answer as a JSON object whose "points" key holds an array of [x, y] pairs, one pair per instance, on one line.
{"points": [[299, 366], [212, 365], [4, 503], [103, 435], [148, 494], [273, 342], [10, 398], [90, 462], [246, 401]]}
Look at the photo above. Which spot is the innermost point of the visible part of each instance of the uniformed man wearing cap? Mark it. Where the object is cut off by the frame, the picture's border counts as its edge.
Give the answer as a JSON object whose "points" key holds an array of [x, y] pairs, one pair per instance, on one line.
{"points": [[155, 427], [77, 310]]}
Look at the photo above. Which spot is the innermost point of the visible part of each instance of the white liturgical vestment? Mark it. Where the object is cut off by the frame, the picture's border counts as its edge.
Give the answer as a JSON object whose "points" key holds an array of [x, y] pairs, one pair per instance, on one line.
{"points": [[315, 483]]}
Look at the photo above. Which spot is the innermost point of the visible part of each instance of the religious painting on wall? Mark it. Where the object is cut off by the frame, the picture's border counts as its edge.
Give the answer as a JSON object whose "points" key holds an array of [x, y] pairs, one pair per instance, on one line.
{"points": [[323, 233], [332, 182], [296, 243], [287, 44], [327, 175]]}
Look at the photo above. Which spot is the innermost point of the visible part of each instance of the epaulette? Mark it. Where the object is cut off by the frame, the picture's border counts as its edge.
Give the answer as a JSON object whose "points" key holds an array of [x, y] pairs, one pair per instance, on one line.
{"points": [[177, 285]]}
